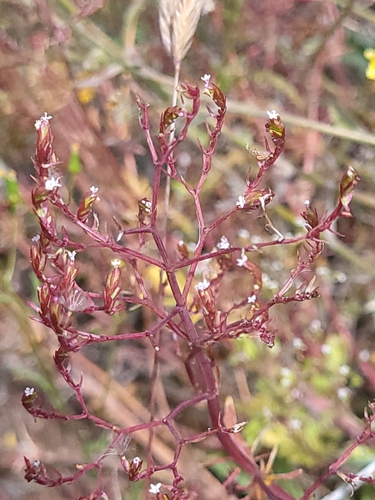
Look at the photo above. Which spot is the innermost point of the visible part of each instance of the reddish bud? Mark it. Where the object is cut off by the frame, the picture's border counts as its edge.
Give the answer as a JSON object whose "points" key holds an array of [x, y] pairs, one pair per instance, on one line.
{"points": [[169, 116], [144, 209], [348, 182], [258, 199], [275, 127], [44, 154], [214, 92], [182, 250], [29, 396], [188, 91], [86, 204], [112, 288], [267, 336], [38, 196], [310, 215], [134, 468], [37, 258], [44, 298]]}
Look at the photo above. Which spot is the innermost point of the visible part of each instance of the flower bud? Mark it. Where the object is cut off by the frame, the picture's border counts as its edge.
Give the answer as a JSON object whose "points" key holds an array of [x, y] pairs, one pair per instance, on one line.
{"points": [[144, 209], [38, 259], [38, 196], [348, 182], [275, 127], [44, 154], [86, 204], [214, 92], [134, 467], [29, 396], [182, 250], [258, 199], [169, 116], [112, 288], [310, 215]]}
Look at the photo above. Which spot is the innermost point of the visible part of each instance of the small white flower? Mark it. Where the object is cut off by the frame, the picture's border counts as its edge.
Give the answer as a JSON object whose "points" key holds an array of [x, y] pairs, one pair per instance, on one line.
{"points": [[298, 344], [71, 255], [343, 393], [206, 79], [29, 391], [35, 239], [340, 277], [243, 259], [307, 203], [295, 424], [36, 463], [326, 349], [43, 118], [322, 271], [94, 189], [223, 243], [136, 461], [155, 488], [364, 355], [273, 115], [52, 183], [256, 239], [344, 370], [252, 299], [202, 285], [116, 263], [296, 394], [270, 284], [286, 372], [315, 325], [241, 202], [243, 233]]}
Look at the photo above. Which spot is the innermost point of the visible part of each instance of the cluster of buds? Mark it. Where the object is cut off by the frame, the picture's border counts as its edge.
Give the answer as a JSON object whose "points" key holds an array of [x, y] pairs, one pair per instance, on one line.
{"points": [[255, 199], [45, 163], [206, 304], [58, 297]]}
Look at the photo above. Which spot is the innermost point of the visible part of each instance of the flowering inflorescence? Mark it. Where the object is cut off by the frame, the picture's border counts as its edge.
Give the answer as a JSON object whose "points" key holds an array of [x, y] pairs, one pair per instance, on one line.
{"points": [[55, 261]]}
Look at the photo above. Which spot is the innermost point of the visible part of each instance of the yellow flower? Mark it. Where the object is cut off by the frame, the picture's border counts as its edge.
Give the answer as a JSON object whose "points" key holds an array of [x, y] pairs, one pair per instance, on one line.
{"points": [[86, 95], [370, 56]]}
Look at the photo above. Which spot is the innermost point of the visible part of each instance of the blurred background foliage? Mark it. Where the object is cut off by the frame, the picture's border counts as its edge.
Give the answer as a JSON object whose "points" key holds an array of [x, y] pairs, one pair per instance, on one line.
{"points": [[82, 62]]}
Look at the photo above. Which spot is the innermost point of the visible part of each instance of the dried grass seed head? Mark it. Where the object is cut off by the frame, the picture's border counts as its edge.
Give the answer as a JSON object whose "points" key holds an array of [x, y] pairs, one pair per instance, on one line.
{"points": [[178, 20]]}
